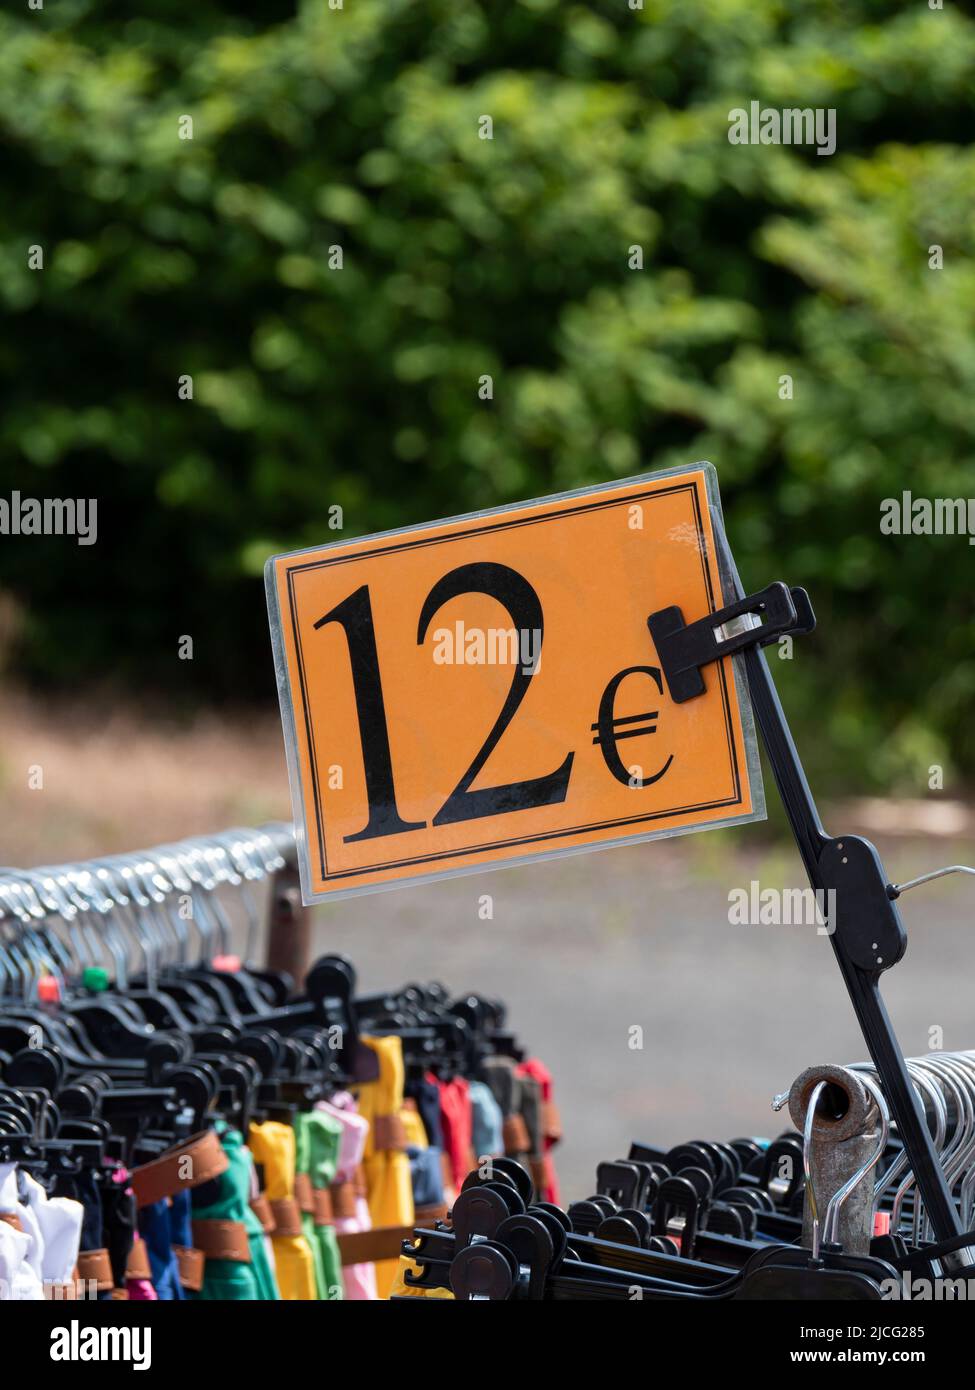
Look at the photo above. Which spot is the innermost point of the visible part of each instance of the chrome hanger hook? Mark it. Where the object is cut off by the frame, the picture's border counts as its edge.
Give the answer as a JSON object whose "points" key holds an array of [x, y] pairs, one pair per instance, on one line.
{"points": [[835, 1204]]}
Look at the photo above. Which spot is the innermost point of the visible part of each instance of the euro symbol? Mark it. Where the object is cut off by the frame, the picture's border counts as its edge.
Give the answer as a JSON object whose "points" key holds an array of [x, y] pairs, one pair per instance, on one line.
{"points": [[608, 728]]}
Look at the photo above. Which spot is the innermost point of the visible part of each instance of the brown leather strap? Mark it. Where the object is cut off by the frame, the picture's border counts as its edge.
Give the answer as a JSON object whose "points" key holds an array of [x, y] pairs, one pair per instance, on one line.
{"points": [[343, 1200], [324, 1211], [303, 1193], [287, 1216], [196, 1160], [12, 1219], [388, 1133], [191, 1264], [516, 1136], [551, 1122], [95, 1264], [222, 1240], [137, 1265], [261, 1208], [383, 1243]]}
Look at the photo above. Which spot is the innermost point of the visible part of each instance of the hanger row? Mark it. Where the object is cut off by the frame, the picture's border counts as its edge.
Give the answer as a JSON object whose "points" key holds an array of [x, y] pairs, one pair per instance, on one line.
{"points": [[944, 1084], [803, 1216], [132, 911]]}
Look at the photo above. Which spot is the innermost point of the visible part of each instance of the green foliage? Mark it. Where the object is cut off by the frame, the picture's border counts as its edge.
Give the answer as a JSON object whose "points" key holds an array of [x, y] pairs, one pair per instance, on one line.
{"points": [[314, 386]]}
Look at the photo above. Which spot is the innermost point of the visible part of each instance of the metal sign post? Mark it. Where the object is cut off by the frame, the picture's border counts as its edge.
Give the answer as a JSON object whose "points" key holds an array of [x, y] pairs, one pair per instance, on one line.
{"points": [[289, 923], [868, 936]]}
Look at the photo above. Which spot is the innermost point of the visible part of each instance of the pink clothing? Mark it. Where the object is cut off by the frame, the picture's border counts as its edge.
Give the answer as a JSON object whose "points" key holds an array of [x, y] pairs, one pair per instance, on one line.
{"points": [[359, 1280], [141, 1291]]}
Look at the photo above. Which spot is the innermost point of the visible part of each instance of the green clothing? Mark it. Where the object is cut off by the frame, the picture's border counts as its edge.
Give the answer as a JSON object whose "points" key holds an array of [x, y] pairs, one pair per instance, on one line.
{"points": [[233, 1279], [302, 1147], [319, 1137]]}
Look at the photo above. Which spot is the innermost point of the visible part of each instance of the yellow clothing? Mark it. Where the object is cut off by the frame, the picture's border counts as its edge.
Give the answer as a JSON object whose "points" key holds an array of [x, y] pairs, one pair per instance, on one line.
{"points": [[416, 1135], [389, 1189], [273, 1145]]}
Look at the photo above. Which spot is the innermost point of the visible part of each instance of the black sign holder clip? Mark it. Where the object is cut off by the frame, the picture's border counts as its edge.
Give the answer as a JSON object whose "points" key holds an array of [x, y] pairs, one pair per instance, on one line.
{"points": [[866, 932]]}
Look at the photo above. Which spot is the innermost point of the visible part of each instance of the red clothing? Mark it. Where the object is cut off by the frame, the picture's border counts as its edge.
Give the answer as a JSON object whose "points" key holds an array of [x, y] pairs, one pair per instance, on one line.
{"points": [[457, 1123]]}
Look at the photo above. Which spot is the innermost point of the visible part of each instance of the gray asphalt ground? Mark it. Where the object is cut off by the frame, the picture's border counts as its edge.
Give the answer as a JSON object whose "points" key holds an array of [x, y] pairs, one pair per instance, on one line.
{"points": [[584, 949]]}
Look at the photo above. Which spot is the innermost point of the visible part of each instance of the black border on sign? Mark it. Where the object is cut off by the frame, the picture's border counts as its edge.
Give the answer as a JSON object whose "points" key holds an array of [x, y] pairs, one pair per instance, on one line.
{"points": [[515, 520]]}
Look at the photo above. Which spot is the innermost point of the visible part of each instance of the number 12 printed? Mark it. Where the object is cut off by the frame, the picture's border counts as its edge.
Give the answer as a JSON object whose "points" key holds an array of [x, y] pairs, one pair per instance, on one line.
{"points": [[484, 691]]}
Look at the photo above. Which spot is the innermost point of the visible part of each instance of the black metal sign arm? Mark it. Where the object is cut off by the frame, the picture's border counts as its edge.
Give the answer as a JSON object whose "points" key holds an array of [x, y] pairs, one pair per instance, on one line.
{"points": [[867, 934]]}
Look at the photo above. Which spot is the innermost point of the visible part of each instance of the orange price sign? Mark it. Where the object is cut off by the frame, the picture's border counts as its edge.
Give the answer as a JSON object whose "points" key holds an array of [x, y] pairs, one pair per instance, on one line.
{"points": [[484, 690]]}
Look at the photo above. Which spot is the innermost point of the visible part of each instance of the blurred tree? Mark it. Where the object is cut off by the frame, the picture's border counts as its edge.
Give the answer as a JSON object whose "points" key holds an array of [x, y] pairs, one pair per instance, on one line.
{"points": [[336, 257]]}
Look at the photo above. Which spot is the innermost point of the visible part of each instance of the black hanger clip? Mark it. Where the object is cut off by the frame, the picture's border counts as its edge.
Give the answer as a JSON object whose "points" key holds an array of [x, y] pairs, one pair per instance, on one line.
{"points": [[683, 648]]}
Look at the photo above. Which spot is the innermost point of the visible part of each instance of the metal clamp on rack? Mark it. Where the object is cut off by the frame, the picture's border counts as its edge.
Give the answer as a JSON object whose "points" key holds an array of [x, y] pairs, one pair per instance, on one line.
{"points": [[683, 648]]}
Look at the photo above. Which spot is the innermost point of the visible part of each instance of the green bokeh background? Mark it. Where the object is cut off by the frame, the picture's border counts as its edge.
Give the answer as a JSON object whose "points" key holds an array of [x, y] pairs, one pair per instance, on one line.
{"points": [[315, 386]]}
